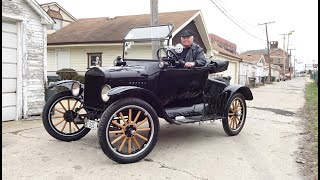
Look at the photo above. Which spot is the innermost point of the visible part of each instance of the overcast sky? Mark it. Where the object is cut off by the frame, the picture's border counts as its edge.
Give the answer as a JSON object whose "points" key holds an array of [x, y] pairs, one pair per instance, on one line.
{"points": [[299, 16]]}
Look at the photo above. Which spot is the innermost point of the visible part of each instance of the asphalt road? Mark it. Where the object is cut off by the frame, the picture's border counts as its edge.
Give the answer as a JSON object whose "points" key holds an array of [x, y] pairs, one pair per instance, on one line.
{"points": [[265, 148]]}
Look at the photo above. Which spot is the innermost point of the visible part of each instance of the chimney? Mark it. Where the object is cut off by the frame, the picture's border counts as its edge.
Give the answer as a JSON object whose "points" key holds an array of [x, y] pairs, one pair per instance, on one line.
{"points": [[273, 44]]}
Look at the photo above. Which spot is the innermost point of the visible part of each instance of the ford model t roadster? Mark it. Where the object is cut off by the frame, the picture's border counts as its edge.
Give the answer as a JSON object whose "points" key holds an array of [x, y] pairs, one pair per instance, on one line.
{"points": [[125, 101]]}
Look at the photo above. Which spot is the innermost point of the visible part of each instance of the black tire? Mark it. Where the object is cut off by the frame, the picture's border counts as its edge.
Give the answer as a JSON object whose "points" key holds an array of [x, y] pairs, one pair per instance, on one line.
{"points": [[68, 116], [234, 121], [223, 80], [128, 129]]}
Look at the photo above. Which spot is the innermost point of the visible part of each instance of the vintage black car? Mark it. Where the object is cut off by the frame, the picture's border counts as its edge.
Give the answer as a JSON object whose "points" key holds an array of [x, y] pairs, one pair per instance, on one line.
{"points": [[125, 101]]}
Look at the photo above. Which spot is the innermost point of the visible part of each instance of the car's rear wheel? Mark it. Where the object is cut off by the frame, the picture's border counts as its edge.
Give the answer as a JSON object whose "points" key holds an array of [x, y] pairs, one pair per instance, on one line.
{"points": [[235, 115], [62, 117], [128, 130]]}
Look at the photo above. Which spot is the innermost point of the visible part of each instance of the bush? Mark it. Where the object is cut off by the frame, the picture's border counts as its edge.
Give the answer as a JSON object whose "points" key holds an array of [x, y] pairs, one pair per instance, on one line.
{"points": [[67, 73], [79, 78]]}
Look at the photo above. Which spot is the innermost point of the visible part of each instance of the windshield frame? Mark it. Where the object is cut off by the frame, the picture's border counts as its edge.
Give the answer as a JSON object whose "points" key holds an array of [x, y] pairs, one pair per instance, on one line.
{"points": [[167, 38]]}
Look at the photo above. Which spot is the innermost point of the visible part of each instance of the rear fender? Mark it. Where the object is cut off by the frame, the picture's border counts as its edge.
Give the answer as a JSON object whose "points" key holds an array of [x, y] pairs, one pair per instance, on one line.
{"points": [[141, 93], [232, 89]]}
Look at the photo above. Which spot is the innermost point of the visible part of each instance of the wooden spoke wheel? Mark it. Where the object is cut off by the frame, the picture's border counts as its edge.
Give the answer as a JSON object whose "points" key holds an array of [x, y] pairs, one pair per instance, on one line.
{"points": [[62, 117], [128, 129], [235, 115]]}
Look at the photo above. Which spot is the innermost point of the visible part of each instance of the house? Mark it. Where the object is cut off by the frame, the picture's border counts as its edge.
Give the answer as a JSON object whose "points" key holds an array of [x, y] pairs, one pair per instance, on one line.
{"points": [[77, 45], [277, 55], [24, 58], [61, 17], [226, 51], [248, 70], [260, 68]]}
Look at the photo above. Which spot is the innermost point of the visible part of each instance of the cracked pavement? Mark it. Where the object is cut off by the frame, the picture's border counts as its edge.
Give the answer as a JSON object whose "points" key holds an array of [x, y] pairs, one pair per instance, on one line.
{"points": [[265, 148]]}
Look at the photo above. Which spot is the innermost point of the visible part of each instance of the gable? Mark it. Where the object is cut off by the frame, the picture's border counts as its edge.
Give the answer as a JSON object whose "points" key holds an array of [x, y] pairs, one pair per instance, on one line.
{"points": [[197, 38], [56, 11]]}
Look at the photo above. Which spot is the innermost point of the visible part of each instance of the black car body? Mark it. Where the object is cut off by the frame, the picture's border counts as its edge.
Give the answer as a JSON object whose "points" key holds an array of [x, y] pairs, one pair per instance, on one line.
{"points": [[119, 99]]}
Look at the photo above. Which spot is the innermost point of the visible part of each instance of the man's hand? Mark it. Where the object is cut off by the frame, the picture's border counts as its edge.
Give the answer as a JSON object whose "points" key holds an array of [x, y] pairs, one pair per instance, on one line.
{"points": [[189, 64]]}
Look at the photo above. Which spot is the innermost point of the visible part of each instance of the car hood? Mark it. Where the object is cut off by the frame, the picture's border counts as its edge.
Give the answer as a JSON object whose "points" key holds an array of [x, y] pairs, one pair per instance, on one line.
{"points": [[126, 71]]}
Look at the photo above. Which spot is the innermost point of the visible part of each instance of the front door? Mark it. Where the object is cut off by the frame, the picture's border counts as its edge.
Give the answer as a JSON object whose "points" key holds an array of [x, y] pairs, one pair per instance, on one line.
{"points": [[181, 85]]}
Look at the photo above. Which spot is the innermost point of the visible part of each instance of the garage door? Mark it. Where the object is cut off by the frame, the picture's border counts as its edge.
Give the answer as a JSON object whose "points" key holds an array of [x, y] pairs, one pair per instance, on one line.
{"points": [[9, 70]]}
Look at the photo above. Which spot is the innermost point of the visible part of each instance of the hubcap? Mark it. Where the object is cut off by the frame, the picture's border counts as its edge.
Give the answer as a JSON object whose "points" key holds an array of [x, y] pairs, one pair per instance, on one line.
{"points": [[69, 116]]}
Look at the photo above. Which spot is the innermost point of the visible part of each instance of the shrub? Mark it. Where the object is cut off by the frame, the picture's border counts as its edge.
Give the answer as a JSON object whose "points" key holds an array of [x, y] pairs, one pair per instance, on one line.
{"points": [[79, 78], [67, 73]]}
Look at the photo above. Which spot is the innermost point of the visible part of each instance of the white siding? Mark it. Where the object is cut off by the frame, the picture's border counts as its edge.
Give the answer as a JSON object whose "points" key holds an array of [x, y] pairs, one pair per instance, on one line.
{"points": [[31, 48], [232, 69]]}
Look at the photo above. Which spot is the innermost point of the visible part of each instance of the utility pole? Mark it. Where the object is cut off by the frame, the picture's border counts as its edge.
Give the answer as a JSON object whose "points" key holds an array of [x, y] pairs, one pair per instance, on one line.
{"points": [[284, 55], [289, 57], [154, 21], [266, 23], [284, 51], [294, 66]]}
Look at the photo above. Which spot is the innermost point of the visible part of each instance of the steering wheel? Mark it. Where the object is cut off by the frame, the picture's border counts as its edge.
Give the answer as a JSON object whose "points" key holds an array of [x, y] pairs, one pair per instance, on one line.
{"points": [[171, 57]]}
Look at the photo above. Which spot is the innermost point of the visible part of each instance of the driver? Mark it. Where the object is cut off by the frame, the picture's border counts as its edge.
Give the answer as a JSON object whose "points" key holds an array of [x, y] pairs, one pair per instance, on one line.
{"points": [[192, 53]]}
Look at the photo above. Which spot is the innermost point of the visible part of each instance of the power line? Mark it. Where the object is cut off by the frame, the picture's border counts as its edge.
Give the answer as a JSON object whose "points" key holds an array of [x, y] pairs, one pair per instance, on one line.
{"points": [[235, 22], [221, 3]]}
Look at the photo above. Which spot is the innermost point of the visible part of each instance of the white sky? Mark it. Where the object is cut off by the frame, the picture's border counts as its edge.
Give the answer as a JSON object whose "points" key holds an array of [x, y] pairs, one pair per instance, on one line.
{"points": [[300, 16]]}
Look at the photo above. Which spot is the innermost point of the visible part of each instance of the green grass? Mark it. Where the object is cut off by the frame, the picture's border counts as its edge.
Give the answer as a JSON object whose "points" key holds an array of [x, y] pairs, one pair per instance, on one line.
{"points": [[312, 115]]}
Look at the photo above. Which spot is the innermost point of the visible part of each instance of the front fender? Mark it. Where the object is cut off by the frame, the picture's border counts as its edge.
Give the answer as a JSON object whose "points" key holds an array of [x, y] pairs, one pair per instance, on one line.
{"points": [[245, 91], [63, 83], [138, 92], [231, 90]]}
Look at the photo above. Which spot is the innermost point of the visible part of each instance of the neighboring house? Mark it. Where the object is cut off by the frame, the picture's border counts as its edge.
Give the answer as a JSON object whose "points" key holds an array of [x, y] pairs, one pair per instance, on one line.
{"points": [[247, 70], [229, 54], [223, 43], [275, 71], [78, 45], [24, 55], [277, 55], [61, 17], [260, 68]]}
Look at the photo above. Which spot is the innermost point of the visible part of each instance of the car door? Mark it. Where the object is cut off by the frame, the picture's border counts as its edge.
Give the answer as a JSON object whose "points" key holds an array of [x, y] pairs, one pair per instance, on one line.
{"points": [[178, 86]]}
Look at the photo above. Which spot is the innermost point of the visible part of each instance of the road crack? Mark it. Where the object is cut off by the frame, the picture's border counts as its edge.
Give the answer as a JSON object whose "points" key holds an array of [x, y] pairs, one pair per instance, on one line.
{"points": [[174, 169], [18, 131]]}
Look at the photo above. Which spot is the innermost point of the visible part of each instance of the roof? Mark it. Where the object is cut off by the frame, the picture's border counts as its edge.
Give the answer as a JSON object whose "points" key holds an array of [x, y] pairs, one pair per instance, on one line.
{"points": [[221, 40], [225, 52], [60, 7], [250, 57], [255, 55], [112, 30]]}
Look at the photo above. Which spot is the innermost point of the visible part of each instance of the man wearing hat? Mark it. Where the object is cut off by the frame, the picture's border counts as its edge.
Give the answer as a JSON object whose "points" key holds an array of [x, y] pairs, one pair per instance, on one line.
{"points": [[192, 53]]}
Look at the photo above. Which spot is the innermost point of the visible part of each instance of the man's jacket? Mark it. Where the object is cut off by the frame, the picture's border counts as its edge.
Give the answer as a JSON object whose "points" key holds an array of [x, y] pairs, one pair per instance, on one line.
{"points": [[196, 54]]}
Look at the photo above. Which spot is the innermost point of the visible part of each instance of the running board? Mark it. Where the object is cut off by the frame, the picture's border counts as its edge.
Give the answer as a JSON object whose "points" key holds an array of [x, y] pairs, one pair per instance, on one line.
{"points": [[193, 119]]}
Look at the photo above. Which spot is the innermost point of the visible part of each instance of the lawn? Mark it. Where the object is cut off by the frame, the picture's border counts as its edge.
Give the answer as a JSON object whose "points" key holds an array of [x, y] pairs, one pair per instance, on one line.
{"points": [[312, 116]]}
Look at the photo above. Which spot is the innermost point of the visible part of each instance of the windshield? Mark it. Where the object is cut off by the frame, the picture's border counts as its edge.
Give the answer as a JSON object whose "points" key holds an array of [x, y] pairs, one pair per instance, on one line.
{"points": [[149, 33]]}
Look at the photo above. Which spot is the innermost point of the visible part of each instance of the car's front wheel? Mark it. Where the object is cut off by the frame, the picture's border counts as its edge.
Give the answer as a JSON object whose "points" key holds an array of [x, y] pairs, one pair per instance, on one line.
{"points": [[63, 117], [128, 130], [235, 115]]}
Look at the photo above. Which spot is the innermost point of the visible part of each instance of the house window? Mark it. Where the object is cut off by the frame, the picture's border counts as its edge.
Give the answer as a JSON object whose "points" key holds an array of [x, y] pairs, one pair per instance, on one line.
{"points": [[94, 59]]}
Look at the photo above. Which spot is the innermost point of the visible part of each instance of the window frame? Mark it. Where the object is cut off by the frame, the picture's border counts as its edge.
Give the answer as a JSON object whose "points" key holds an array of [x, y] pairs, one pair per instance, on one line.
{"points": [[90, 60]]}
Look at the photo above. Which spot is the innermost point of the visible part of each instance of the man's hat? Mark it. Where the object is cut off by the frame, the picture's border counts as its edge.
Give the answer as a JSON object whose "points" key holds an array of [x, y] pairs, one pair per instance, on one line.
{"points": [[186, 33]]}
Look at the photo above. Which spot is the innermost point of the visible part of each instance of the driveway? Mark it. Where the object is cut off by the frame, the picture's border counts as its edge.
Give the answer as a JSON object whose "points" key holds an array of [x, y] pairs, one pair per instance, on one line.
{"points": [[265, 148]]}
